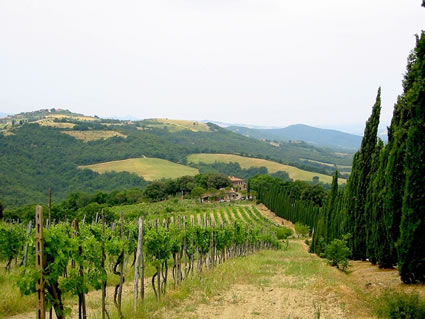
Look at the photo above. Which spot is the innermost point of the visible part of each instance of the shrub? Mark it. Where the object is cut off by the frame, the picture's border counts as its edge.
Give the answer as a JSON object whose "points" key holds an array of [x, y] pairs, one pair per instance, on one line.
{"points": [[284, 232], [337, 253], [302, 230], [398, 305]]}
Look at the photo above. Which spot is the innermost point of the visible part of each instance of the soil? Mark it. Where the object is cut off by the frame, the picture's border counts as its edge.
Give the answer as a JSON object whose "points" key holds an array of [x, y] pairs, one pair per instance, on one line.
{"points": [[274, 218]]}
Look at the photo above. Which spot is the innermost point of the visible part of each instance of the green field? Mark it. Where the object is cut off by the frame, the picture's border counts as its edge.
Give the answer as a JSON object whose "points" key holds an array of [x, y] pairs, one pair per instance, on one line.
{"points": [[247, 162], [149, 168]]}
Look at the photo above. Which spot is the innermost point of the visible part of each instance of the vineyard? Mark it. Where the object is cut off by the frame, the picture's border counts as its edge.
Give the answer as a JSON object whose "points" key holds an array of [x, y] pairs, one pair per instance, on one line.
{"points": [[79, 257]]}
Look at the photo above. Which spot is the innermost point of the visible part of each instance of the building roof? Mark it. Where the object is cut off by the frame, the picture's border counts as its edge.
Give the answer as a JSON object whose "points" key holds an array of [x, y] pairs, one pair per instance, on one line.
{"points": [[235, 179]]}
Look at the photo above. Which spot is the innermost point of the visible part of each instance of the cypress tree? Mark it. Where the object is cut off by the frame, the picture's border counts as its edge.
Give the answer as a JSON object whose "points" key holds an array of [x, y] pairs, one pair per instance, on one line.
{"points": [[358, 183], [372, 203], [380, 239], [412, 229], [331, 208]]}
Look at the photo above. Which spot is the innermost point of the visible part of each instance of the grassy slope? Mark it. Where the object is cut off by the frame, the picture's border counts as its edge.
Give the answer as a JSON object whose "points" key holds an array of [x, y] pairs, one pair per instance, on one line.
{"points": [[179, 125], [92, 135], [247, 162], [149, 168]]}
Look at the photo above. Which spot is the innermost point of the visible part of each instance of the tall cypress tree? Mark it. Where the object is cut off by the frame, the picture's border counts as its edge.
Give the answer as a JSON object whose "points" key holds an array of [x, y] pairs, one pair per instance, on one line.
{"points": [[331, 209], [372, 203], [412, 229], [358, 183], [380, 239]]}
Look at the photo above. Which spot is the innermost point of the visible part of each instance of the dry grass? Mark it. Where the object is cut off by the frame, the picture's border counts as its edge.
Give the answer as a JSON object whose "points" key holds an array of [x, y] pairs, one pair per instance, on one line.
{"points": [[148, 168], [180, 125], [50, 122], [247, 162], [78, 118], [93, 135], [7, 132]]}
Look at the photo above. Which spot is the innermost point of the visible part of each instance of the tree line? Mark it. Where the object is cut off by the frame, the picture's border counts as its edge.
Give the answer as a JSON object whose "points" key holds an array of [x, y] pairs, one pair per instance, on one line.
{"points": [[382, 207], [84, 205]]}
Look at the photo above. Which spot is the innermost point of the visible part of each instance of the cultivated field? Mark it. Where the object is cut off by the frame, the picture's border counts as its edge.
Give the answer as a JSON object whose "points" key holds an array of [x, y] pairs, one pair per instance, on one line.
{"points": [[284, 283], [247, 162], [149, 168]]}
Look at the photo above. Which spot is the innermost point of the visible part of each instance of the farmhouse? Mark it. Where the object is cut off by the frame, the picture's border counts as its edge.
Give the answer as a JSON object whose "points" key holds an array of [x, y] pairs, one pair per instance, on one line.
{"points": [[238, 184]]}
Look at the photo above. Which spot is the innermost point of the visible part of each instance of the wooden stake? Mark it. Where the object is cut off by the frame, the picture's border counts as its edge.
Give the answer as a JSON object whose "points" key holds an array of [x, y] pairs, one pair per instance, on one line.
{"points": [[142, 262], [29, 229], [50, 205], [121, 268], [103, 267], [136, 265], [39, 261]]}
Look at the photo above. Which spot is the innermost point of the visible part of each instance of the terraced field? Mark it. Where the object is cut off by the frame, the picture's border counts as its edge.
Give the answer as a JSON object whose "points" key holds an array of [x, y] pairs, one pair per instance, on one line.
{"points": [[200, 213]]}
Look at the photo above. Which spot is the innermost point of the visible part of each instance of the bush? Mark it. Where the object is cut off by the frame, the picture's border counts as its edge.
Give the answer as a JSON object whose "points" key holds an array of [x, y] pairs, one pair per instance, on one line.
{"points": [[337, 253], [284, 232], [398, 305], [302, 230]]}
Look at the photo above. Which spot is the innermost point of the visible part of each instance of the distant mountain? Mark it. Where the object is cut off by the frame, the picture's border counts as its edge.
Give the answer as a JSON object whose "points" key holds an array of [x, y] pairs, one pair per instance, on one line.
{"points": [[301, 132], [3, 114], [224, 124]]}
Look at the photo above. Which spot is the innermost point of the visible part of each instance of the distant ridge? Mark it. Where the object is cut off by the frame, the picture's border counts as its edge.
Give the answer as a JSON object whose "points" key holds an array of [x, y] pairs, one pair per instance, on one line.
{"points": [[3, 114], [301, 132]]}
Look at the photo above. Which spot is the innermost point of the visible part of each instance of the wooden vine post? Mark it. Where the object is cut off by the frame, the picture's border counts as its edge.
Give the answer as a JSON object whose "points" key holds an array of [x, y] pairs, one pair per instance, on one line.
{"points": [[121, 269], [142, 262], [50, 207], [39, 261], [104, 313], [139, 267], [29, 229], [82, 309]]}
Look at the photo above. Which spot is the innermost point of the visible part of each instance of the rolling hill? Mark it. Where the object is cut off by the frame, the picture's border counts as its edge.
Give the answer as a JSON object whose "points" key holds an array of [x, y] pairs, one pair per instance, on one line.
{"points": [[301, 132], [45, 149], [247, 162], [149, 168]]}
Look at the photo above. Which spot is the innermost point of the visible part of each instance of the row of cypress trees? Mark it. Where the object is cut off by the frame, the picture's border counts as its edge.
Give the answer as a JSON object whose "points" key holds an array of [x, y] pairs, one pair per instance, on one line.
{"points": [[281, 202], [383, 205]]}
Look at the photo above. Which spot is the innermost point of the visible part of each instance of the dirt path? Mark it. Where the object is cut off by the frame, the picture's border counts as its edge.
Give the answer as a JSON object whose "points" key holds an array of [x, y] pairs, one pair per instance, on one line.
{"points": [[274, 218]]}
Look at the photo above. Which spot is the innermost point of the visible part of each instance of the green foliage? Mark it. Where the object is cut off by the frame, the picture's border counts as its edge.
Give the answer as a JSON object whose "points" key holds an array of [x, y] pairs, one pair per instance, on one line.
{"points": [[284, 233], [400, 305], [338, 253], [302, 230], [412, 228], [12, 240], [158, 245], [358, 183], [40, 155]]}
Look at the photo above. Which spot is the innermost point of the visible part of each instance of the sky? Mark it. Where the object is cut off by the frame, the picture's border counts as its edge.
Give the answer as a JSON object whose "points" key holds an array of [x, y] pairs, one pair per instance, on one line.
{"points": [[260, 62]]}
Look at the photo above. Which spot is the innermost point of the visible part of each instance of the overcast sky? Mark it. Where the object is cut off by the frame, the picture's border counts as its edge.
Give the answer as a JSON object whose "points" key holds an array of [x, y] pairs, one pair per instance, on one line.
{"points": [[263, 62]]}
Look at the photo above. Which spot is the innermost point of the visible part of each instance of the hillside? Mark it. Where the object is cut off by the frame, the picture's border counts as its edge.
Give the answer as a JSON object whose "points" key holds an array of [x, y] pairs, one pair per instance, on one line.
{"points": [[247, 162], [43, 149], [149, 168], [300, 132]]}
